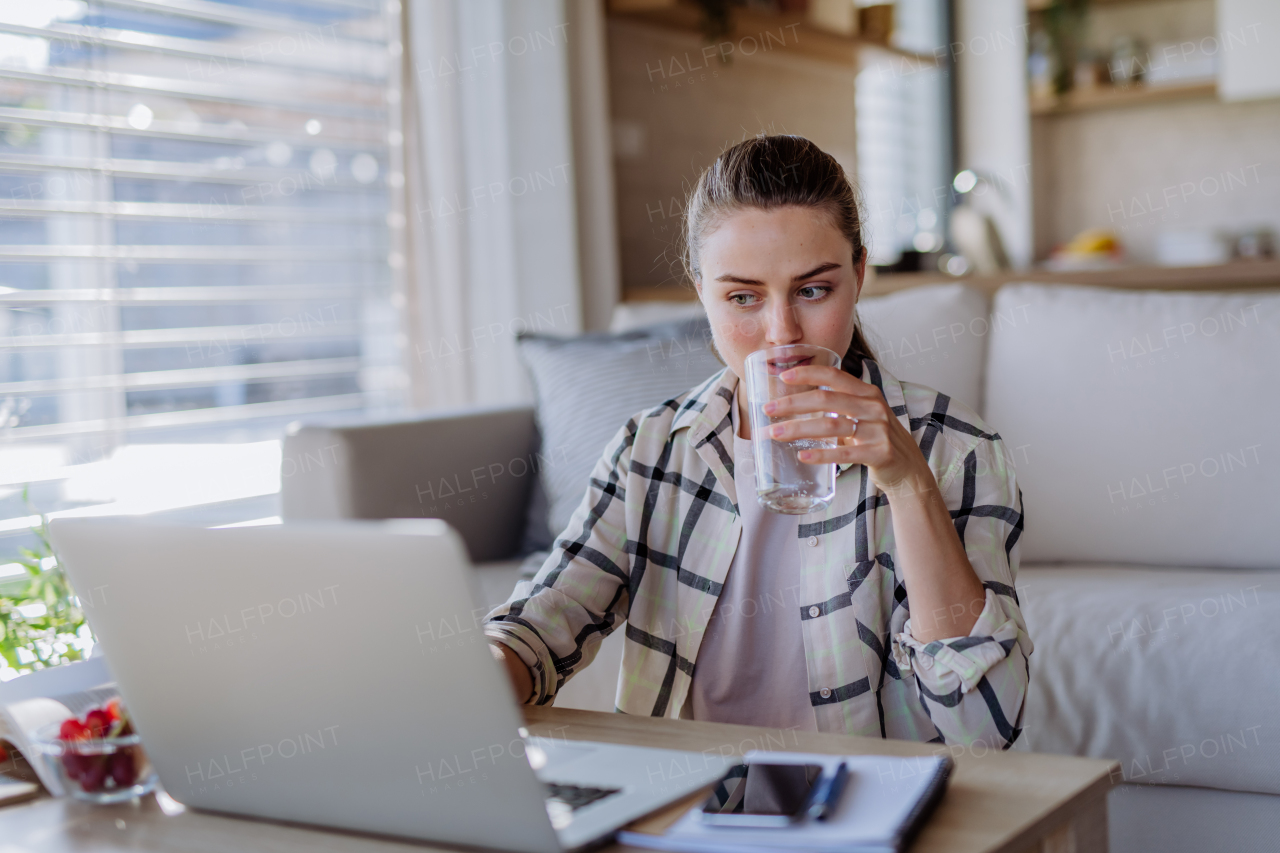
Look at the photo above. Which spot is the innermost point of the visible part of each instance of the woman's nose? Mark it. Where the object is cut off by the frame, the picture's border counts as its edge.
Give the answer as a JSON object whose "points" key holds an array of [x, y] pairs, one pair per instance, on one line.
{"points": [[782, 326]]}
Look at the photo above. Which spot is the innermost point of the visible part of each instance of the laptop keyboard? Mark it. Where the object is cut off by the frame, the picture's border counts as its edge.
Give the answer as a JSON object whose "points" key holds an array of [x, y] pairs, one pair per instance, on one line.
{"points": [[576, 796]]}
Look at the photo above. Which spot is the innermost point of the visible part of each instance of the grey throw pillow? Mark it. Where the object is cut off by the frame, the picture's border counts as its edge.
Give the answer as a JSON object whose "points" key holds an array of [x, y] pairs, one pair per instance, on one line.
{"points": [[586, 388]]}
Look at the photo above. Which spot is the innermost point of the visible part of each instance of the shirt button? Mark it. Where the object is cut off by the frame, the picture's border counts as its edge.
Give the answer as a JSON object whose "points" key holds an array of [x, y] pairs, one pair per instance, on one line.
{"points": [[814, 611], [813, 541], [825, 693]]}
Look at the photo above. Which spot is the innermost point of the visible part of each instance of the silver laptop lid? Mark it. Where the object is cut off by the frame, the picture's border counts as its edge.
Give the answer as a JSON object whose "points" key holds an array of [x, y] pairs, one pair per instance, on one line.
{"points": [[331, 673]]}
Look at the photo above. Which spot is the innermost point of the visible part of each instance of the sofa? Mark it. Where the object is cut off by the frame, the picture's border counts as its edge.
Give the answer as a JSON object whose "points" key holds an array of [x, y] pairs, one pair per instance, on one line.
{"points": [[1140, 424]]}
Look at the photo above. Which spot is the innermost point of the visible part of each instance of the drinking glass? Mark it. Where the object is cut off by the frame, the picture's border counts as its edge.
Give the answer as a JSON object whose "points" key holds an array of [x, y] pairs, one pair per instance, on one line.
{"points": [[783, 483]]}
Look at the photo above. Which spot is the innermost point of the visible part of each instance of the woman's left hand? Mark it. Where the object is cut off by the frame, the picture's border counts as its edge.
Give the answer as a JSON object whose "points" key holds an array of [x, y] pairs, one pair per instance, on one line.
{"points": [[877, 439]]}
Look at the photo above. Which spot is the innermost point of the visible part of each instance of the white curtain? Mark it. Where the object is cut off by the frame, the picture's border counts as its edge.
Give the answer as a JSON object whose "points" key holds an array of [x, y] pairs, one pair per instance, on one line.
{"points": [[492, 228]]}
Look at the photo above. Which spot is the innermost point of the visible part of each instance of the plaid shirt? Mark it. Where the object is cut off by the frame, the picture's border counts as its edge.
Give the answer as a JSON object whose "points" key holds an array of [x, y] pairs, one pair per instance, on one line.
{"points": [[652, 541]]}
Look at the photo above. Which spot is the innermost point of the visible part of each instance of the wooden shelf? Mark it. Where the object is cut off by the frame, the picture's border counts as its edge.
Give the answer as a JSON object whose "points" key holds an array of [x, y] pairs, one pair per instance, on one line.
{"points": [[790, 33], [1229, 277], [1041, 5], [1233, 276], [1110, 97]]}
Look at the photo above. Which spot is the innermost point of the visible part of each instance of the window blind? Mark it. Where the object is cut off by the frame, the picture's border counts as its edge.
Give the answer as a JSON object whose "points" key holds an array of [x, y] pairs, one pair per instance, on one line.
{"points": [[199, 216]]}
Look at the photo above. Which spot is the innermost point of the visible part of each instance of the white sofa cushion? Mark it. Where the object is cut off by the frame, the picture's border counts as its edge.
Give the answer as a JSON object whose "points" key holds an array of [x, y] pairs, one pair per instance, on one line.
{"points": [[1142, 424], [629, 316], [1170, 671], [934, 335], [492, 583], [586, 389]]}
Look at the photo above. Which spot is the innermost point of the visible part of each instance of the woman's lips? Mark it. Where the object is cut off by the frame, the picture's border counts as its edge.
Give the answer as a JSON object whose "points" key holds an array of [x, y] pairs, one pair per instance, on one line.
{"points": [[777, 366]]}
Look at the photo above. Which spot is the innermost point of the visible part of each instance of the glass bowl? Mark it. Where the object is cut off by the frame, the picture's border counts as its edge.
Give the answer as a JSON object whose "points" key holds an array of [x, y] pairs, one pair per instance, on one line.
{"points": [[100, 770]]}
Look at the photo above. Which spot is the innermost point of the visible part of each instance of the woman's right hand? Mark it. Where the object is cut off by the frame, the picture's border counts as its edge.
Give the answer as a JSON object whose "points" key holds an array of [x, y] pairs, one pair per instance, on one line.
{"points": [[517, 672]]}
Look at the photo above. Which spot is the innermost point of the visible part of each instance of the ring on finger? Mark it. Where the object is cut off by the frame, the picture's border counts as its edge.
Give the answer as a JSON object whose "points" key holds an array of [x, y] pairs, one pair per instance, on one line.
{"points": [[855, 424]]}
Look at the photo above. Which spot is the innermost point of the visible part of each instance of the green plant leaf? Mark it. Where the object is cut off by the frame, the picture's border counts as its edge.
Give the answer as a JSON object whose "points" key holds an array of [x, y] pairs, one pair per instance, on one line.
{"points": [[61, 623]]}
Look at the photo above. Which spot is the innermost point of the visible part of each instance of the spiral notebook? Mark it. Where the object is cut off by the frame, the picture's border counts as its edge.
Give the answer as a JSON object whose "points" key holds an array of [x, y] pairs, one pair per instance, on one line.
{"points": [[885, 804]]}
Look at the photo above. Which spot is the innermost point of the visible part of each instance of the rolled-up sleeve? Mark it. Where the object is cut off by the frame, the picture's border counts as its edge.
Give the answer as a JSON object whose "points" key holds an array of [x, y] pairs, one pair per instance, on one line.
{"points": [[556, 620], [974, 687]]}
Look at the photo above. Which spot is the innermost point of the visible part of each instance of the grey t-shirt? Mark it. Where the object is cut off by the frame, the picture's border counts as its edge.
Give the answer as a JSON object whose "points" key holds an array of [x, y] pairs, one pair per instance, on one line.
{"points": [[751, 667]]}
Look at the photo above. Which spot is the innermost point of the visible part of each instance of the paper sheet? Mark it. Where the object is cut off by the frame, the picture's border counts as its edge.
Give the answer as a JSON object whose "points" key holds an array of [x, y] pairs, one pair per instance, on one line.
{"points": [[881, 793]]}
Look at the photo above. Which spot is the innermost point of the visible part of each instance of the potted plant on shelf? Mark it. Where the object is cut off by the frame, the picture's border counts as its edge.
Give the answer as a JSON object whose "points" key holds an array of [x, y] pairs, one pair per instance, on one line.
{"points": [[1064, 21]]}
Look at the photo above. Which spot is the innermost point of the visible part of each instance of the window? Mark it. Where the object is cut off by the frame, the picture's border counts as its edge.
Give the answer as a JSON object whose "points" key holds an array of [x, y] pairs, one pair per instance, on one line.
{"points": [[904, 138], [199, 216]]}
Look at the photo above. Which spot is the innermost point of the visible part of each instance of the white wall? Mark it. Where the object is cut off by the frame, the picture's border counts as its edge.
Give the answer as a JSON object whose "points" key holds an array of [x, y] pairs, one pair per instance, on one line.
{"points": [[541, 143], [598, 262], [992, 114], [1251, 66], [675, 110], [1196, 164]]}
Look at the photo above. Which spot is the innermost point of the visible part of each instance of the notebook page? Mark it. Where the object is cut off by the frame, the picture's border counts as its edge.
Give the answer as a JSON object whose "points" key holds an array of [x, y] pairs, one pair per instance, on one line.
{"points": [[881, 794]]}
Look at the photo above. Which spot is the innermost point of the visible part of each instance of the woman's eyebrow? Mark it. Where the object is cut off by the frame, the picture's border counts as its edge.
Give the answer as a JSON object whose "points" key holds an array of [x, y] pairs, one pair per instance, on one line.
{"points": [[737, 279], [818, 270]]}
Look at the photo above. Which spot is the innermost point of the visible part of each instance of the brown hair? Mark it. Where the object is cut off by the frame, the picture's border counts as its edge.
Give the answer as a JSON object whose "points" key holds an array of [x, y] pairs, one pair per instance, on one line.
{"points": [[769, 172]]}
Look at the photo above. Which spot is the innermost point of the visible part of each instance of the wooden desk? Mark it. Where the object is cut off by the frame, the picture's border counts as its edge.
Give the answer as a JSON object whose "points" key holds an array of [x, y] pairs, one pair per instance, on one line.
{"points": [[995, 802]]}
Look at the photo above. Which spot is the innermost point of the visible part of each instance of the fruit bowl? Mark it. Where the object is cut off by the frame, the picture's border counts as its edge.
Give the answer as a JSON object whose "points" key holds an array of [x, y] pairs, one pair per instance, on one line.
{"points": [[98, 759]]}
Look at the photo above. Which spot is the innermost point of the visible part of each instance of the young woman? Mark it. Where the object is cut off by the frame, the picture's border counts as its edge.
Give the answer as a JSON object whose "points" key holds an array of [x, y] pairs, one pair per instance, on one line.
{"points": [[890, 613]]}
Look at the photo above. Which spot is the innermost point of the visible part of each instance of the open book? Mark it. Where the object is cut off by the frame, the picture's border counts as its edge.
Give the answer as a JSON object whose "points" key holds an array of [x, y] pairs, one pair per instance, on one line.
{"points": [[28, 703], [885, 803]]}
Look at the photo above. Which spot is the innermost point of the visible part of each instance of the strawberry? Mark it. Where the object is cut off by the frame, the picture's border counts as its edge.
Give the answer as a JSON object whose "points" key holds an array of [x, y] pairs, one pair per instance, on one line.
{"points": [[120, 725], [73, 729], [97, 722]]}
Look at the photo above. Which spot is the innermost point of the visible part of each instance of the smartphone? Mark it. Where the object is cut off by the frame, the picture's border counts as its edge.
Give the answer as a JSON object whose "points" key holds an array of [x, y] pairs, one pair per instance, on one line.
{"points": [[762, 795]]}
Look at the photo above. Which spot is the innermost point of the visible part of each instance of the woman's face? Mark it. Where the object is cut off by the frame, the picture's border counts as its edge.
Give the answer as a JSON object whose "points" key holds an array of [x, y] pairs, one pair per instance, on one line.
{"points": [[782, 276]]}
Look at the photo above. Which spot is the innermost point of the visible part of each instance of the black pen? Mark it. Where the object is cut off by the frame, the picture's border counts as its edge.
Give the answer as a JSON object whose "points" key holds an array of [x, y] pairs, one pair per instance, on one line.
{"points": [[827, 800]]}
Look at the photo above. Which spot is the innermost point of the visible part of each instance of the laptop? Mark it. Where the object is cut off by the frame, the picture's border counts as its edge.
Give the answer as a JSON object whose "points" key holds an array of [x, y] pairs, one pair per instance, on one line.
{"points": [[335, 673]]}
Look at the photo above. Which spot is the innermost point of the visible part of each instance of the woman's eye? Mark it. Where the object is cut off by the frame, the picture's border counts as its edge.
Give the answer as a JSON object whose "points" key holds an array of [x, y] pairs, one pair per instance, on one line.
{"points": [[813, 291], [742, 298]]}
